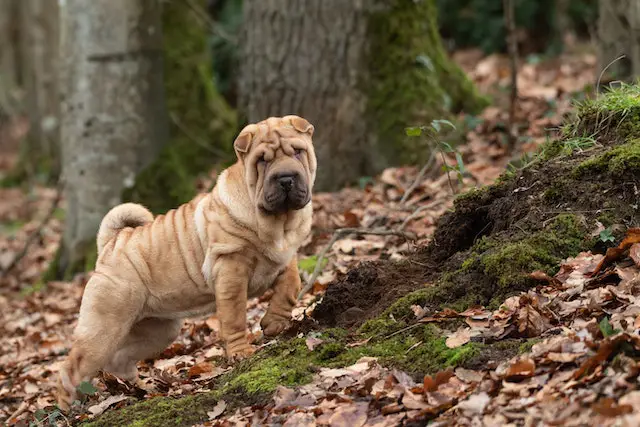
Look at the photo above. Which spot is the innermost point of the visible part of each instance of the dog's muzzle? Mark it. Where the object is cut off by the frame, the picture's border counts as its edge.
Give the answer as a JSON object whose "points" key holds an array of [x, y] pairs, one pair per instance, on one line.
{"points": [[285, 191]]}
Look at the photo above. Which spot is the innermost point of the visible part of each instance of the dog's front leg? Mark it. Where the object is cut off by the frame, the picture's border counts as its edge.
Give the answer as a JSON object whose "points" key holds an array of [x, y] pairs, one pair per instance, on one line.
{"points": [[285, 294], [231, 285]]}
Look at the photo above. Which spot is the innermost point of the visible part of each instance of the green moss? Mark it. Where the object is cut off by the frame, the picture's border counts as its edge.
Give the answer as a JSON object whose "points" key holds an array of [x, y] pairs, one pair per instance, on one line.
{"points": [[202, 125], [380, 326], [615, 113], [474, 195], [526, 346], [607, 218], [618, 162], [331, 350], [550, 150], [160, 412], [552, 194], [411, 81], [510, 263], [493, 268], [401, 308]]}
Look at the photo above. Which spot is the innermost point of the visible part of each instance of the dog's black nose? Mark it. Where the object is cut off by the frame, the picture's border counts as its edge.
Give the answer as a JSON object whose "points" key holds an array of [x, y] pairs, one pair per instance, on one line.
{"points": [[286, 182]]}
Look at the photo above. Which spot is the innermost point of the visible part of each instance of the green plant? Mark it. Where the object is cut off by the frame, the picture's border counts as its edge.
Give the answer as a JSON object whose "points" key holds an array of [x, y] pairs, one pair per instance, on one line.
{"points": [[43, 417], [606, 236], [606, 328], [579, 143], [430, 133]]}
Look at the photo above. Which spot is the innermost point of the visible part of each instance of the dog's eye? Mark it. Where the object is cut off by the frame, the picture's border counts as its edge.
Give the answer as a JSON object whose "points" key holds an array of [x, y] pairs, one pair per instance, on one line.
{"points": [[262, 160], [298, 153]]}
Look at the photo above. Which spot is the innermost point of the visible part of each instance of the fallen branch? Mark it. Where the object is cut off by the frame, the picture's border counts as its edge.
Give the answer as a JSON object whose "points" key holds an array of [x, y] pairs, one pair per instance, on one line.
{"points": [[36, 233], [338, 234], [421, 174]]}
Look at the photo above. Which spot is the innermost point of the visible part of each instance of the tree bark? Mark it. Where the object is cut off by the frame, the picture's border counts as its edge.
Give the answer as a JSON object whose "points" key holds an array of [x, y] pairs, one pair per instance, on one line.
{"points": [[39, 34], [114, 118], [619, 34], [360, 71], [201, 126], [9, 55]]}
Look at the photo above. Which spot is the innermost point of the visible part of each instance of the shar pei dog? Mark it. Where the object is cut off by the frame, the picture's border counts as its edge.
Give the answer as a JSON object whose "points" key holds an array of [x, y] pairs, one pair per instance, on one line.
{"points": [[207, 256]]}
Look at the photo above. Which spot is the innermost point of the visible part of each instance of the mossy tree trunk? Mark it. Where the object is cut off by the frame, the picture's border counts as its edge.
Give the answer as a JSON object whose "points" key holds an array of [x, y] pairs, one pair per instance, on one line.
{"points": [[619, 34], [39, 40], [360, 71], [9, 54], [114, 118], [202, 125]]}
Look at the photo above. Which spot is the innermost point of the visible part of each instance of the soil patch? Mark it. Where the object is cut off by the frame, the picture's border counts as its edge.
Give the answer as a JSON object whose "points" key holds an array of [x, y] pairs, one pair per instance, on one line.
{"points": [[484, 249]]}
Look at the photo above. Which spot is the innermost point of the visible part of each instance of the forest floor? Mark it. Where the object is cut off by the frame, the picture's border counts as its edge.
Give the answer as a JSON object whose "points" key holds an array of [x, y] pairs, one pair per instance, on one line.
{"points": [[569, 343]]}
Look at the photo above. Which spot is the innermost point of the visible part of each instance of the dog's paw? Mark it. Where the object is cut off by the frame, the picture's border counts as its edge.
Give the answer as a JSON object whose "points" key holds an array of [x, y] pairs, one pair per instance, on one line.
{"points": [[272, 327], [240, 352], [65, 391]]}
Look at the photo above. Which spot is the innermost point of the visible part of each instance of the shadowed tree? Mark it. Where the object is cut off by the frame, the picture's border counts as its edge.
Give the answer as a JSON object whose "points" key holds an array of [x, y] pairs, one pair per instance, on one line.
{"points": [[618, 35], [40, 39], [360, 71], [114, 118], [9, 53]]}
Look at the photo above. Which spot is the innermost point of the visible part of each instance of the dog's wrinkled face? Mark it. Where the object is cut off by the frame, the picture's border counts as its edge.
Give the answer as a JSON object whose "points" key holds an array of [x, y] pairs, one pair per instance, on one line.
{"points": [[279, 163]]}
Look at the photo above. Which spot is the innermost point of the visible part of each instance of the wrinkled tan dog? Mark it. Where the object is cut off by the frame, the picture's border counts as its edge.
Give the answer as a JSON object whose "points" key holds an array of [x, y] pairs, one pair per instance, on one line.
{"points": [[206, 256]]}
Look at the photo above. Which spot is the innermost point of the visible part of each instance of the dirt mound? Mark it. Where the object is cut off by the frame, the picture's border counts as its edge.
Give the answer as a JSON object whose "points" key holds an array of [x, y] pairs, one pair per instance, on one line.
{"points": [[366, 291], [552, 207]]}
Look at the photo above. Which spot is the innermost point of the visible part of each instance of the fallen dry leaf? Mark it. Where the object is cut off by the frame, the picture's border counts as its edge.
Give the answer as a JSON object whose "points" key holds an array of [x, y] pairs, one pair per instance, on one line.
{"points": [[313, 342], [634, 253], [458, 338], [350, 415], [217, 410], [475, 404], [632, 237], [609, 408], [200, 368], [523, 368], [102, 406]]}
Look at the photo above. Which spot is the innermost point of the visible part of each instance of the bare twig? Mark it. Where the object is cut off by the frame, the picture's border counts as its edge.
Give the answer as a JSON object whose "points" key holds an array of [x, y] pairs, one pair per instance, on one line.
{"points": [[512, 45], [21, 409], [405, 329], [421, 174], [416, 212], [37, 232], [338, 234]]}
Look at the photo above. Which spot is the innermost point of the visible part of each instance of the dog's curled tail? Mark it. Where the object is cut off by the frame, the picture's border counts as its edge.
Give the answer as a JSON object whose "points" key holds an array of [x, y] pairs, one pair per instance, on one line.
{"points": [[119, 217]]}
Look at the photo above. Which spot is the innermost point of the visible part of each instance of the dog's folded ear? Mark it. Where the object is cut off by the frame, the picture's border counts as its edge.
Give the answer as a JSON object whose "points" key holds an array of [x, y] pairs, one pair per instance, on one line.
{"points": [[244, 139], [301, 125]]}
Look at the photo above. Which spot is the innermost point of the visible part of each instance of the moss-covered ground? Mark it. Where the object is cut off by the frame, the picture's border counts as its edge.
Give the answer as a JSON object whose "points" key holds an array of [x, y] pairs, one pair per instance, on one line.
{"points": [[482, 252]]}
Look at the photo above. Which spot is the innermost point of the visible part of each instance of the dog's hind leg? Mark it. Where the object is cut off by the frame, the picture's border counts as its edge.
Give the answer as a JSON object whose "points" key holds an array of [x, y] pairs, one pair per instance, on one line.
{"points": [[147, 339], [108, 312]]}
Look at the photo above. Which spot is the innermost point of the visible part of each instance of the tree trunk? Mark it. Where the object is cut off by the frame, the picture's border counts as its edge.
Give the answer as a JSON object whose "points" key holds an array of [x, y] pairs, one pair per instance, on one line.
{"points": [[114, 119], [39, 34], [360, 71], [9, 56], [619, 34], [202, 126]]}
